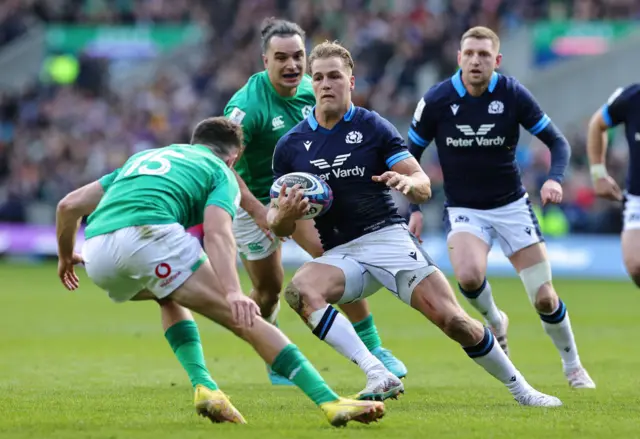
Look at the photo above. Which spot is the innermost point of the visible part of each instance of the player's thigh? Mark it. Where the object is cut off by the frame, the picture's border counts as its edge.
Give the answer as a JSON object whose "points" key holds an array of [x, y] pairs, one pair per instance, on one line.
{"points": [[333, 279], [252, 243], [631, 250], [168, 257], [468, 256], [202, 293], [103, 263], [516, 226], [306, 236], [266, 274], [436, 300], [631, 234], [394, 257], [469, 238], [260, 255]]}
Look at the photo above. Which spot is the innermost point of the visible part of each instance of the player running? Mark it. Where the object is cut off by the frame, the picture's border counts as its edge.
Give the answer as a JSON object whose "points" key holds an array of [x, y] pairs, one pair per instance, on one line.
{"points": [[623, 107], [268, 106], [367, 243], [474, 118], [137, 248]]}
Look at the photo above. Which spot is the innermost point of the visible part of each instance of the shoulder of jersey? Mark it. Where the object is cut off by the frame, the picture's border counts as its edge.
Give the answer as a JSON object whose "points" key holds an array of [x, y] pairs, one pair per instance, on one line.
{"points": [[439, 92], [632, 89], [242, 98]]}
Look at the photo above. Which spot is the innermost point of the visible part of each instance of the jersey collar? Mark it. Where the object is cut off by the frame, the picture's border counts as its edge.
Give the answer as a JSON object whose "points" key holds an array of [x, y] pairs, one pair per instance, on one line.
{"points": [[313, 123], [456, 80]]}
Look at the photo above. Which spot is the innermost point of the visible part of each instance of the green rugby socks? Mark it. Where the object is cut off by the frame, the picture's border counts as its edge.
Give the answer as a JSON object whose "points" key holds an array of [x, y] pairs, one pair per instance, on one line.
{"points": [[292, 364], [368, 333], [184, 339]]}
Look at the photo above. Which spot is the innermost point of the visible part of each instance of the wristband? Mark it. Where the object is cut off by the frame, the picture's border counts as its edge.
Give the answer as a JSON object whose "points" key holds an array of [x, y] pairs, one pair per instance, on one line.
{"points": [[598, 170]]}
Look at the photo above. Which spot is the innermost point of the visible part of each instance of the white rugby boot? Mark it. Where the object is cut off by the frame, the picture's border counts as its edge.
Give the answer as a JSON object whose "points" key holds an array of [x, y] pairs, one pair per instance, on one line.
{"points": [[533, 398], [381, 385], [579, 378]]}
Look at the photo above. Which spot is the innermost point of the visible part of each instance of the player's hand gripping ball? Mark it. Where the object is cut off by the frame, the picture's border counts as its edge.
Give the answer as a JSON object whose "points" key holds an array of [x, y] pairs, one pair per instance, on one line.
{"points": [[314, 188]]}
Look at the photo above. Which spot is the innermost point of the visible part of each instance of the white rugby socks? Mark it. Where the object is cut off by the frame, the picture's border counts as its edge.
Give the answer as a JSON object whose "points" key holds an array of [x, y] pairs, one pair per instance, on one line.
{"points": [[492, 358], [482, 300], [334, 328], [558, 326]]}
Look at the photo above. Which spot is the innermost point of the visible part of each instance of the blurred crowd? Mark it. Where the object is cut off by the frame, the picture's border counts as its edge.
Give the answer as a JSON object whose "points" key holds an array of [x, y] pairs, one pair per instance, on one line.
{"points": [[56, 138]]}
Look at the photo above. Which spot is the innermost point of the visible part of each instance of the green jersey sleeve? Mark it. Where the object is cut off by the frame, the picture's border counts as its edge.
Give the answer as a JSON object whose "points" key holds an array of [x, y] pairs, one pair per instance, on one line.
{"points": [[106, 180], [238, 110], [226, 194]]}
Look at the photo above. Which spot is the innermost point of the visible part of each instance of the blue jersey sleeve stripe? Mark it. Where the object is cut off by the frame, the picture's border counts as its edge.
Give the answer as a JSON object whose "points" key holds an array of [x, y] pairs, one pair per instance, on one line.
{"points": [[541, 125], [398, 157], [415, 138], [606, 116]]}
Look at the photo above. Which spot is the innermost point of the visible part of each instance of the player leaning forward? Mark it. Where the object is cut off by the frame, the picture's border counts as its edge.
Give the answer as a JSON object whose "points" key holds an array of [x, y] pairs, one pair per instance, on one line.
{"points": [[270, 104], [367, 244], [137, 248], [474, 118]]}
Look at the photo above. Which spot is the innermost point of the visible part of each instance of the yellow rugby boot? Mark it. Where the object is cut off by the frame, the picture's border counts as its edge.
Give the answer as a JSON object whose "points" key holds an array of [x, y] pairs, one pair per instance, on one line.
{"points": [[343, 410], [215, 405]]}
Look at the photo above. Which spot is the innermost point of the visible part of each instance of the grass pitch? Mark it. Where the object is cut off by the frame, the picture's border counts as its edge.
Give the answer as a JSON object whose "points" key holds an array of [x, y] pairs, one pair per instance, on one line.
{"points": [[74, 365]]}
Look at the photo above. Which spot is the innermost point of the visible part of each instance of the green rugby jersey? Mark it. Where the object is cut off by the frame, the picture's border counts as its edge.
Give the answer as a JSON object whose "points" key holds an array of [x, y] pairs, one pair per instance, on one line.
{"points": [[265, 116], [167, 185]]}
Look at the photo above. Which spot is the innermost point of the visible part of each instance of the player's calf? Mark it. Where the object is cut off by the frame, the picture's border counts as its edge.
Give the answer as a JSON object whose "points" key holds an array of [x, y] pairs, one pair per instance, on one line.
{"points": [[468, 254], [434, 298], [553, 313], [267, 277], [309, 294]]}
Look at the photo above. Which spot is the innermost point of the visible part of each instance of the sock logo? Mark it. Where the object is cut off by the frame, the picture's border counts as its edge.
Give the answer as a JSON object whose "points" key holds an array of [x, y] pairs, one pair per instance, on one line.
{"points": [[294, 372], [512, 379]]}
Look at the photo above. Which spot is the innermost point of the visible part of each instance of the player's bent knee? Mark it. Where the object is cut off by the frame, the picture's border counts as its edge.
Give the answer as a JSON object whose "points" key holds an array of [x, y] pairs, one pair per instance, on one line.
{"points": [[546, 300], [470, 276], [534, 277], [300, 295]]}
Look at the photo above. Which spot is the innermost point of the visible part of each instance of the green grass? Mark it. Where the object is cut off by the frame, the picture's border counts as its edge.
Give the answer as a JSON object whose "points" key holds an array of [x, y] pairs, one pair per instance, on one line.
{"points": [[75, 365]]}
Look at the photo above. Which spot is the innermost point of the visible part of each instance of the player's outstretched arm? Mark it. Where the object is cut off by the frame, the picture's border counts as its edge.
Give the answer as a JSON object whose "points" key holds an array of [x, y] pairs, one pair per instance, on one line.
{"points": [[70, 210], [220, 246], [408, 177]]}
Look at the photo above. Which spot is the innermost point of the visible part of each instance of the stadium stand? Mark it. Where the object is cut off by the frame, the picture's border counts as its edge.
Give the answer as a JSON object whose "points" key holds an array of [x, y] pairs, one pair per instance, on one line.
{"points": [[54, 138]]}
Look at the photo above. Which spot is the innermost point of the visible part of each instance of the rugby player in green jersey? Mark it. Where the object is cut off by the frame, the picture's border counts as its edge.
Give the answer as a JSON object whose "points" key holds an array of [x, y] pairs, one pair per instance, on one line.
{"points": [[268, 106], [137, 248]]}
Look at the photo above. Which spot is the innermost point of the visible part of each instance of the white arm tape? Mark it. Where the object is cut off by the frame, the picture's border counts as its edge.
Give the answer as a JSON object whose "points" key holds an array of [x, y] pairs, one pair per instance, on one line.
{"points": [[598, 170]]}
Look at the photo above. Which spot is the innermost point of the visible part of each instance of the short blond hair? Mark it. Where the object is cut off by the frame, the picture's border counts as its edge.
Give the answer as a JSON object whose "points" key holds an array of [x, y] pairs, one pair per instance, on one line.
{"points": [[330, 49], [482, 33]]}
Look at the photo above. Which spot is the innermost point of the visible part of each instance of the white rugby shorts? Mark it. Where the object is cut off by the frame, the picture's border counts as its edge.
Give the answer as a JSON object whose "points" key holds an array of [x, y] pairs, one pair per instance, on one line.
{"points": [[631, 213], [389, 257], [158, 258], [514, 225], [251, 241]]}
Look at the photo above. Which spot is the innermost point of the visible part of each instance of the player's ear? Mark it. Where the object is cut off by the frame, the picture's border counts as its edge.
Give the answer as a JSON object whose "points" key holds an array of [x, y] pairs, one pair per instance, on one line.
{"points": [[498, 60], [265, 61], [459, 58], [352, 83]]}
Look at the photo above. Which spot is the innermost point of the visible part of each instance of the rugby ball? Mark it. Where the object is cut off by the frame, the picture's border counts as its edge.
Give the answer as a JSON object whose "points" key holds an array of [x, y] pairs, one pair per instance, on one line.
{"points": [[315, 189]]}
